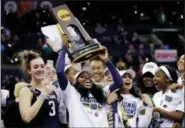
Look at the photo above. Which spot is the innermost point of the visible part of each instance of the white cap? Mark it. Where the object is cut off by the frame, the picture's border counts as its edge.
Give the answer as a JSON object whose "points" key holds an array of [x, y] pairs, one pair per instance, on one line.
{"points": [[150, 67], [67, 67], [165, 70], [85, 69], [107, 69], [129, 71]]}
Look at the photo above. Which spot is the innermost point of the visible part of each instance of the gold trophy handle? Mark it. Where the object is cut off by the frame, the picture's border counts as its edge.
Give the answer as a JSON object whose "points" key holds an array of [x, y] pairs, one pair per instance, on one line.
{"points": [[62, 32], [60, 29]]}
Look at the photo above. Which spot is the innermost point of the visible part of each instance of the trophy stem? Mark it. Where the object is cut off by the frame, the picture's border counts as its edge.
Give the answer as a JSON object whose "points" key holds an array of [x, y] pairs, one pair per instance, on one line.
{"points": [[62, 32], [60, 29]]}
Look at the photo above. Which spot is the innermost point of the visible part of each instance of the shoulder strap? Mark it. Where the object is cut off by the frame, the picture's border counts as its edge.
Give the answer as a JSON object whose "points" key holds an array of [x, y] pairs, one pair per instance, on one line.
{"points": [[35, 91], [55, 83]]}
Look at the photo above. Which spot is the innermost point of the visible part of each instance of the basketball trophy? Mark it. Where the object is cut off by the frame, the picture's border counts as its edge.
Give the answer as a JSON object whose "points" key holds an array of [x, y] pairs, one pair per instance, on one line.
{"points": [[81, 46]]}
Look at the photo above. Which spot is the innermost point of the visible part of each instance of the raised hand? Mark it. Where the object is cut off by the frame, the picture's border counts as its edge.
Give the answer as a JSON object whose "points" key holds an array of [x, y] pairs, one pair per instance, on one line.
{"points": [[113, 96], [175, 86], [55, 46], [146, 99], [104, 56], [65, 40], [48, 89]]}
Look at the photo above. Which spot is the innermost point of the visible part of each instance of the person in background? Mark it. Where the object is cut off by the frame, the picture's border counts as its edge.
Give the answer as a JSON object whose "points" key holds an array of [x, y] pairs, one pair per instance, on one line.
{"points": [[51, 77], [50, 71], [183, 96], [108, 77], [13, 109], [146, 83], [4, 96], [98, 67], [130, 103], [169, 104], [70, 72], [121, 65], [183, 78], [181, 67]]}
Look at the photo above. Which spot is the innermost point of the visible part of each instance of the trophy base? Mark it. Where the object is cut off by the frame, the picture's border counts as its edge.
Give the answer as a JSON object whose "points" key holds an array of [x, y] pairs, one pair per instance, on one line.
{"points": [[86, 53]]}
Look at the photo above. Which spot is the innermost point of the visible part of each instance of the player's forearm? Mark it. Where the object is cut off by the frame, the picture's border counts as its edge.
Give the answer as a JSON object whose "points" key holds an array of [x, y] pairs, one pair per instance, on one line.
{"points": [[174, 115], [118, 82], [60, 65], [30, 113], [62, 113]]}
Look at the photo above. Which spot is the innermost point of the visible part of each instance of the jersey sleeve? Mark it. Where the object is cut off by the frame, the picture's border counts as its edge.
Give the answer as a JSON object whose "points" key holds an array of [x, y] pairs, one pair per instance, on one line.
{"points": [[106, 90], [118, 82], [155, 99], [62, 112], [4, 96], [180, 106], [60, 65]]}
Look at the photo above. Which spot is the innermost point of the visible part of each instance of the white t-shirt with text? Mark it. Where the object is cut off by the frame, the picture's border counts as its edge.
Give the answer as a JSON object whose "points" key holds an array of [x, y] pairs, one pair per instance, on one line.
{"points": [[84, 112], [168, 101], [132, 107]]}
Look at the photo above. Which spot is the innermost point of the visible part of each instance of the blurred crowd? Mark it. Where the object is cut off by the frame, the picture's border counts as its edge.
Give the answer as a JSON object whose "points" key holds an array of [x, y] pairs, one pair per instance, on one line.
{"points": [[139, 95], [130, 49]]}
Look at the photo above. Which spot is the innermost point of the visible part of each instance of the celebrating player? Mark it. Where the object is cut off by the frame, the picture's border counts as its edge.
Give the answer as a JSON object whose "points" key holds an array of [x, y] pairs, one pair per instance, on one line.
{"points": [[85, 100], [37, 102], [168, 103], [129, 105]]}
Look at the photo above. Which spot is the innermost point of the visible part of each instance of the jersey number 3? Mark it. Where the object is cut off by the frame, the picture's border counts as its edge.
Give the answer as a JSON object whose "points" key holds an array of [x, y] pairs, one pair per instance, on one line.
{"points": [[52, 112]]}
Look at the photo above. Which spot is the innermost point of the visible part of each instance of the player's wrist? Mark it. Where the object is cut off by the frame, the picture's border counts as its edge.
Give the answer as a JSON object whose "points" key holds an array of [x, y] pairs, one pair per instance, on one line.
{"points": [[106, 60], [108, 102], [42, 96]]}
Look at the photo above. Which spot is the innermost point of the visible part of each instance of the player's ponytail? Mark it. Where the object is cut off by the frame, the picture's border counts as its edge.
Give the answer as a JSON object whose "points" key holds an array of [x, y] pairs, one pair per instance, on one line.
{"points": [[25, 57]]}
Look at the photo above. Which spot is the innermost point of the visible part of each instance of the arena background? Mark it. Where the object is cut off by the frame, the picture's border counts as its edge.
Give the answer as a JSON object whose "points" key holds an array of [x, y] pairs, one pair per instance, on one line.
{"points": [[132, 31]]}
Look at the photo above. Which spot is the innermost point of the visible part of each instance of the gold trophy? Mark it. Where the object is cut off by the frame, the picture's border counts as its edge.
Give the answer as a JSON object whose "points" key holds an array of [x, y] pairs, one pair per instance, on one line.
{"points": [[81, 46]]}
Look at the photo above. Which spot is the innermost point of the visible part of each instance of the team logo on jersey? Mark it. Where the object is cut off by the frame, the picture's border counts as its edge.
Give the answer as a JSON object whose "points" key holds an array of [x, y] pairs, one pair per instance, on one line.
{"points": [[168, 98], [91, 103], [142, 112], [51, 96], [165, 106], [96, 114], [130, 108]]}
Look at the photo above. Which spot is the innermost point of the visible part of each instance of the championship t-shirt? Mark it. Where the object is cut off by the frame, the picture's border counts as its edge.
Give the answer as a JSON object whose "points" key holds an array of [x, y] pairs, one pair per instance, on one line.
{"points": [[179, 81], [169, 101], [84, 112], [132, 107], [62, 110], [183, 98]]}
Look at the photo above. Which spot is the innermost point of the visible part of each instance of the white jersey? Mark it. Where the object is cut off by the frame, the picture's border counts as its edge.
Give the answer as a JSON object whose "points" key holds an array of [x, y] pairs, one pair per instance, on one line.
{"points": [[84, 112], [169, 101], [4, 96], [102, 84], [62, 110], [183, 98], [179, 81], [133, 107]]}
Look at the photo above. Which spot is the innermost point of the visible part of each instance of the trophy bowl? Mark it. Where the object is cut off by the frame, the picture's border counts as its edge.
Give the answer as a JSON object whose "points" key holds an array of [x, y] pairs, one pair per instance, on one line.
{"points": [[86, 53]]}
